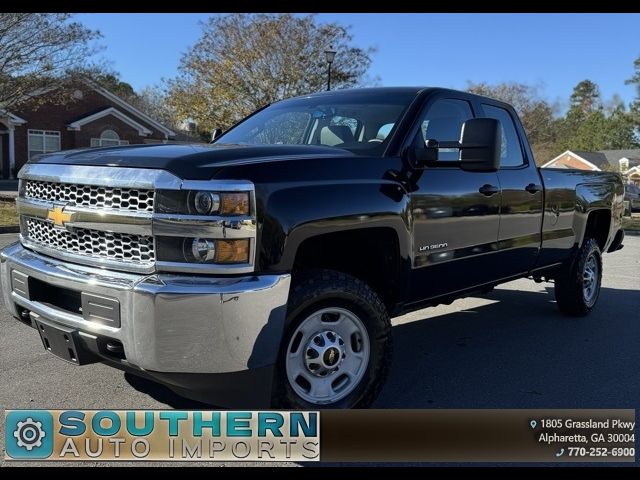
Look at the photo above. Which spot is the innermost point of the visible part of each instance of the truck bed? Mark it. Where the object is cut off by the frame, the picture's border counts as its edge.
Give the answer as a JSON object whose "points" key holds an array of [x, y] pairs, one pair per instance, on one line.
{"points": [[570, 195]]}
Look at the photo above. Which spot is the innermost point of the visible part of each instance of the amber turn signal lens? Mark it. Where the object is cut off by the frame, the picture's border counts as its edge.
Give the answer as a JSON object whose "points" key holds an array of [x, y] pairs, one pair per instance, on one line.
{"points": [[235, 204], [232, 251]]}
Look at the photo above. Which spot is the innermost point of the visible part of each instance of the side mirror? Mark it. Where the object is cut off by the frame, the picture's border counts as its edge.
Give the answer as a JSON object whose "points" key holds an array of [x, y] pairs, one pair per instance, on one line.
{"points": [[479, 145], [215, 133]]}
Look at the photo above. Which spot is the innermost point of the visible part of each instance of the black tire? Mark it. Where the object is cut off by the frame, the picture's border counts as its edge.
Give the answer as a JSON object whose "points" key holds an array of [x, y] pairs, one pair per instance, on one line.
{"points": [[569, 285], [318, 289]]}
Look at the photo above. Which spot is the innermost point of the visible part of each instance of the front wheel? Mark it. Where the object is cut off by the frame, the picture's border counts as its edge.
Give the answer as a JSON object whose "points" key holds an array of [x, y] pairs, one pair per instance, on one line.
{"points": [[338, 345], [578, 287]]}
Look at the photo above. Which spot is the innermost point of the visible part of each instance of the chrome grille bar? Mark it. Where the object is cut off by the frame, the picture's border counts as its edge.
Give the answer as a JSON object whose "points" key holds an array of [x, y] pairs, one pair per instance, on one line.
{"points": [[118, 221]]}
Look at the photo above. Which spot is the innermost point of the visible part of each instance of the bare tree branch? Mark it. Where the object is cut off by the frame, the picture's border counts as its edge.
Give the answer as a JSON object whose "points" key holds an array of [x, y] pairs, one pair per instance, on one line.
{"points": [[40, 51]]}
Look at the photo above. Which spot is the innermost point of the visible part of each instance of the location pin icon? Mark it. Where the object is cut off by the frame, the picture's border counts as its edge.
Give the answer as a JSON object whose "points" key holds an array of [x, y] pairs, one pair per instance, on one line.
{"points": [[533, 424]]}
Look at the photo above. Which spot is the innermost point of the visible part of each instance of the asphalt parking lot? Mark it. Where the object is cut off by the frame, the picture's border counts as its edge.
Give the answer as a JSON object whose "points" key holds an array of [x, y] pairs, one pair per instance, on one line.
{"points": [[509, 349]]}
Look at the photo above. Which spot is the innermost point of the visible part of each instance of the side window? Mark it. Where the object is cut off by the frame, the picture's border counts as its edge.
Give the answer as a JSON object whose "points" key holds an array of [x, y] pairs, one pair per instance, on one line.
{"points": [[443, 122], [383, 131], [511, 151]]}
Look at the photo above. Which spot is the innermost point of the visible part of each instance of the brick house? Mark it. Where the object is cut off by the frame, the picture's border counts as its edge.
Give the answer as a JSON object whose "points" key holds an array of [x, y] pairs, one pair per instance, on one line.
{"points": [[95, 118], [627, 162]]}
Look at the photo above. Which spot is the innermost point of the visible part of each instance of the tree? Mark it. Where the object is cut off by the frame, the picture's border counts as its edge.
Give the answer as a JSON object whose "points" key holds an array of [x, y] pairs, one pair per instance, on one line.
{"points": [[536, 114], [584, 109], [153, 101], [620, 129], [589, 126], [591, 133], [111, 81], [244, 61], [585, 97], [634, 108], [583, 126], [39, 51]]}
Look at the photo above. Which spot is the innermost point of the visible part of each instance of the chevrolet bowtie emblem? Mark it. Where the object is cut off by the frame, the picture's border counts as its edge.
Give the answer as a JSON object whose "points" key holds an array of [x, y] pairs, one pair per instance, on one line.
{"points": [[58, 216]]}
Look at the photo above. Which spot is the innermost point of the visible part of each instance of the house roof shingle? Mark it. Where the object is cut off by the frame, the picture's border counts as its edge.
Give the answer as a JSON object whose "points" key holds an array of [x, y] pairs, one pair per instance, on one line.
{"points": [[599, 159], [614, 155], [610, 157]]}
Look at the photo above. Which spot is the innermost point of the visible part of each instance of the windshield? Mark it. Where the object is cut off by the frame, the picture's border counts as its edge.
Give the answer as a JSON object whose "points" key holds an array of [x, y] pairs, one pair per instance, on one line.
{"points": [[361, 122]]}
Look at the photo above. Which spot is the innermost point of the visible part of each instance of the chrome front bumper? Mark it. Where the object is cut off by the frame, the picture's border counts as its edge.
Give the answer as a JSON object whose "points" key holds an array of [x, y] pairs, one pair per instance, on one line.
{"points": [[168, 323]]}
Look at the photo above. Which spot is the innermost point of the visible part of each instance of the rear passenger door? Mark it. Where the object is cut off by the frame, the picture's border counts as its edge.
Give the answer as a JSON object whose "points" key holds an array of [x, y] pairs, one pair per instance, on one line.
{"points": [[519, 236]]}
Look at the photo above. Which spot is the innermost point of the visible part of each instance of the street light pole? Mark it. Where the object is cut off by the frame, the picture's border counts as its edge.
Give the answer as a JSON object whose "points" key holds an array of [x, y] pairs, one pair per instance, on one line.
{"points": [[330, 54]]}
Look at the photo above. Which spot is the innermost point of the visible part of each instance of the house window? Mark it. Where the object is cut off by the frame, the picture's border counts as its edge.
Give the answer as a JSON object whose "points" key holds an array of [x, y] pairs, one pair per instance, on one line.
{"points": [[108, 138], [43, 141]]}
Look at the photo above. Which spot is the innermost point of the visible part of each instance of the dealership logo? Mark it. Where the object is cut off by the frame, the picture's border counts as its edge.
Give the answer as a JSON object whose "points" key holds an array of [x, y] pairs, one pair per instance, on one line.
{"points": [[162, 435], [29, 434]]}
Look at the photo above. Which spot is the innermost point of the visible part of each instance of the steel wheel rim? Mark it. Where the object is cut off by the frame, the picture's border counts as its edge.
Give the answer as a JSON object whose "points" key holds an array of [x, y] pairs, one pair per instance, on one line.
{"points": [[590, 278], [327, 355]]}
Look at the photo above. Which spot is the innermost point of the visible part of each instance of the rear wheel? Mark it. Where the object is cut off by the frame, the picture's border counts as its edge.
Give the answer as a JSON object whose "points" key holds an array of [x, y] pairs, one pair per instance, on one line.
{"points": [[338, 345], [577, 288]]}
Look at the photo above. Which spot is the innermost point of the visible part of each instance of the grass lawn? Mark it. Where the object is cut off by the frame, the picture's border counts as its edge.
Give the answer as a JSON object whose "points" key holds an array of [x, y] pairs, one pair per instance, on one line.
{"points": [[8, 214]]}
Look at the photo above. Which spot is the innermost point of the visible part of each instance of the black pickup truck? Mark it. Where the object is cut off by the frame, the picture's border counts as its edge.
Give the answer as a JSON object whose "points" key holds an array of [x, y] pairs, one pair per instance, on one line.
{"points": [[263, 269]]}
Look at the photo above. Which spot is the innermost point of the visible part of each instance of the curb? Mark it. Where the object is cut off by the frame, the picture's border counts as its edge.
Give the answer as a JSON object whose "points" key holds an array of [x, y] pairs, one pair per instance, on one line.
{"points": [[9, 229], [633, 233]]}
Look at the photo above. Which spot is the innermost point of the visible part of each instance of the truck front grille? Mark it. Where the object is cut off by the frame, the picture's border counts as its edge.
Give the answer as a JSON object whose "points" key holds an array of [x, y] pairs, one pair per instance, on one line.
{"points": [[105, 216], [112, 246], [91, 196]]}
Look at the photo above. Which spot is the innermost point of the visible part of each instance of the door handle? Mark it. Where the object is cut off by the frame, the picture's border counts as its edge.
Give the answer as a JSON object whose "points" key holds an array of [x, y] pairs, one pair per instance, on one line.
{"points": [[532, 188], [488, 190]]}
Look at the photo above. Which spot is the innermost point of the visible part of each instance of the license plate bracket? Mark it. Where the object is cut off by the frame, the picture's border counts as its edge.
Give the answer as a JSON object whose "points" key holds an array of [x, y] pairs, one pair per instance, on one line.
{"points": [[63, 342]]}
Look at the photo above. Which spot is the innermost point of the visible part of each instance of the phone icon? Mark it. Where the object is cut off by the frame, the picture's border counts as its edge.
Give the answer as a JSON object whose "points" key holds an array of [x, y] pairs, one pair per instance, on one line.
{"points": [[560, 453]]}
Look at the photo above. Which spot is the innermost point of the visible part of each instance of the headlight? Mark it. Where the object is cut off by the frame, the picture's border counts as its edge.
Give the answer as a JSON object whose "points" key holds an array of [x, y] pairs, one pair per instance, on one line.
{"points": [[203, 250], [207, 250], [211, 203], [206, 202], [232, 251], [202, 202], [235, 203], [205, 227]]}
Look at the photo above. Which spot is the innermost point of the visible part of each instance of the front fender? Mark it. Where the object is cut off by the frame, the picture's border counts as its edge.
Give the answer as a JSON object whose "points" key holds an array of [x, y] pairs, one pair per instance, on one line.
{"points": [[293, 214]]}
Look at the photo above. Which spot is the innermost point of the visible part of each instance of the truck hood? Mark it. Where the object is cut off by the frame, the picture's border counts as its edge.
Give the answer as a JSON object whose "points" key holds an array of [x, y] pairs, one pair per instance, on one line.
{"points": [[197, 162]]}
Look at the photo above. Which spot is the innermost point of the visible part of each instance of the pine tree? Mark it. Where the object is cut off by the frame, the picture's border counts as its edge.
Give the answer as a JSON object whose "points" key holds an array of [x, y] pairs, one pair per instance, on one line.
{"points": [[585, 97], [634, 107]]}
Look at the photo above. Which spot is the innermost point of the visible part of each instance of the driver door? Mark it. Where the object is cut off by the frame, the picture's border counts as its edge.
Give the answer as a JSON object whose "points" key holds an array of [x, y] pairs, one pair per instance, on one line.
{"points": [[456, 213]]}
